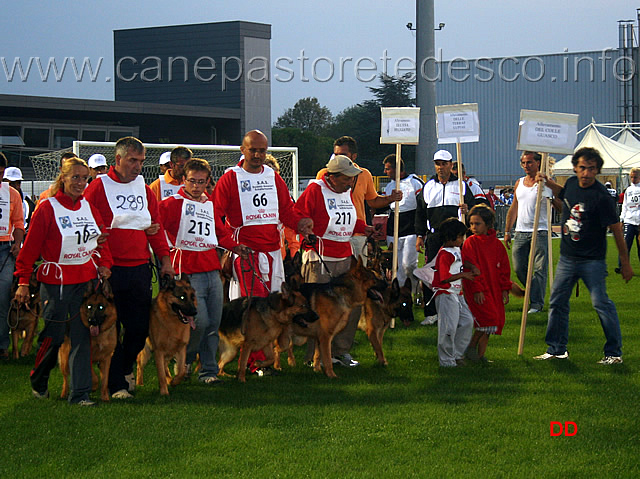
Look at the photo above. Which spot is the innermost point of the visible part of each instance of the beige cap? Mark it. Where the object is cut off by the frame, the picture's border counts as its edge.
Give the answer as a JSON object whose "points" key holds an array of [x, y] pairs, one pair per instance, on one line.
{"points": [[342, 164]]}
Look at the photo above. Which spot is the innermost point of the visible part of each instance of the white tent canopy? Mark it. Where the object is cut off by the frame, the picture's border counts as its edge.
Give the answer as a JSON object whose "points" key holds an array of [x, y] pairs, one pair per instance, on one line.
{"points": [[627, 137], [618, 158]]}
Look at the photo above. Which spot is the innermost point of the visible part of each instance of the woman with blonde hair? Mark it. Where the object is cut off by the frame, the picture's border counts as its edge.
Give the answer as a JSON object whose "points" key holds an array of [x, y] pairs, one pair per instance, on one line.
{"points": [[65, 232]]}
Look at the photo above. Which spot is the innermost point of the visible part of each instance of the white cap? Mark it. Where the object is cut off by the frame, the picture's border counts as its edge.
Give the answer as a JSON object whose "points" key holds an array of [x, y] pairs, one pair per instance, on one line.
{"points": [[608, 183], [442, 155], [165, 158], [97, 160], [13, 174]]}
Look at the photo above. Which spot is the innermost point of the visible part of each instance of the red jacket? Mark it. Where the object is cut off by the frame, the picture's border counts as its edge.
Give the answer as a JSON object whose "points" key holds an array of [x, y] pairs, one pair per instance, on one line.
{"points": [[264, 238], [192, 261], [44, 240], [487, 253], [311, 204], [128, 247]]}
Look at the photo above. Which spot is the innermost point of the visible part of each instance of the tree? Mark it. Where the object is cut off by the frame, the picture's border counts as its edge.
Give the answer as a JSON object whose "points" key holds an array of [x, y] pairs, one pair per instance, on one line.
{"points": [[313, 150], [395, 91], [306, 115]]}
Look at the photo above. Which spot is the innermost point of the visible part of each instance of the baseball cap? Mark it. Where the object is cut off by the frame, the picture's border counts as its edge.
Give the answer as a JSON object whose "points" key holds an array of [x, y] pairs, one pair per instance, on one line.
{"points": [[97, 160], [342, 164], [13, 174], [165, 158], [442, 155]]}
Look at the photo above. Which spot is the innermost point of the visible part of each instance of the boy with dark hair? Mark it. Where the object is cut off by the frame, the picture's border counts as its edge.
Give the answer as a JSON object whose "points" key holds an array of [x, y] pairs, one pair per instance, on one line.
{"points": [[455, 321]]}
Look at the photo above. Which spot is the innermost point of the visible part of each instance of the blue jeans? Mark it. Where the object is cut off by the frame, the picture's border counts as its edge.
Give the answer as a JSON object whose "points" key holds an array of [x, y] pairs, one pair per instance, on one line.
{"points": [[593, 273], [7, 267], [630, 235], [204, 339], [520, 255]]}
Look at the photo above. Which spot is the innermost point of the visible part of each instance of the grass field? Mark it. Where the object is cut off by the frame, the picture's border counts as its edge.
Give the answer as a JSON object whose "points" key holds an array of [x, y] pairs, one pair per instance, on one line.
{"points": [[410, 419]]}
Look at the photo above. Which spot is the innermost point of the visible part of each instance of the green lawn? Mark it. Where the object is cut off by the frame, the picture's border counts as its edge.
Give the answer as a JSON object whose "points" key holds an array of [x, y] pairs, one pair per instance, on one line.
{"points": [[410, 419]]}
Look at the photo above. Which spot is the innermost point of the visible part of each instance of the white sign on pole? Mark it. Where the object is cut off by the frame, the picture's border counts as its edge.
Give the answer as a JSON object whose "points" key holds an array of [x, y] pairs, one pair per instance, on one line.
{"points": [[400, 125], [458, 123], [547, 132]]}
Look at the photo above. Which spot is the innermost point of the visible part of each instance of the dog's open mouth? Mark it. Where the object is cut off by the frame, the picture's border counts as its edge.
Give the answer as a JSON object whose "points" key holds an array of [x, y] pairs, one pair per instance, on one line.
{"points": [[374, 294], [186, 319], [94, 328]]}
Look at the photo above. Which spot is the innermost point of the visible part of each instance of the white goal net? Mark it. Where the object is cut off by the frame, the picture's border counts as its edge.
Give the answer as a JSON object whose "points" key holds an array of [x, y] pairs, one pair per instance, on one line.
{"points": [[220, 157]]}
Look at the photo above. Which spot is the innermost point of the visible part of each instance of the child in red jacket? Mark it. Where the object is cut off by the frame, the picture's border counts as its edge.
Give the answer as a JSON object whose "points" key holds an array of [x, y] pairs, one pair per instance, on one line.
{"points": [[488, 293]]}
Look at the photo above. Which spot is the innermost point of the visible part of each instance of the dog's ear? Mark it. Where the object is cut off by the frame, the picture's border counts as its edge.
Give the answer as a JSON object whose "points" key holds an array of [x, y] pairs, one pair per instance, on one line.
{"points": [[355, 262], [167, 282], [106, 289], [407, 284], [285, 290], [395, 289], [88, 291], [274, 300]]}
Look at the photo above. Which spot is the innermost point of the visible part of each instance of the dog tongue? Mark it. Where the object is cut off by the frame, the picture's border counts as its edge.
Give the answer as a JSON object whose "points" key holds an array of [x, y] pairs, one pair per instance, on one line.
{"points": [[94, 330], [192, 323]]}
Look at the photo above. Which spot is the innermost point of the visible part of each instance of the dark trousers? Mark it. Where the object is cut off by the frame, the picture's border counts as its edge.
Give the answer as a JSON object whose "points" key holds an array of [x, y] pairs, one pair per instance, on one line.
{"points": [[131, 286], [62, 315]]}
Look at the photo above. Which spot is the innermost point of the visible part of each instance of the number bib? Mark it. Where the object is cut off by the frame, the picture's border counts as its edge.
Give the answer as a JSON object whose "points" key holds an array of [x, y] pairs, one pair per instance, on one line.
{"points": [[128, 203], [167, 189], [79, 232], [258, 197], [342, 214], [5, 209], [197, 229]]}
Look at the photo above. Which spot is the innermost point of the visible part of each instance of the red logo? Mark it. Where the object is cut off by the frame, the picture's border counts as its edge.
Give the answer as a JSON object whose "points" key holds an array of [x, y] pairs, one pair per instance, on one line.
{"points": [[197, 238], [81, 249], [569, 428]]}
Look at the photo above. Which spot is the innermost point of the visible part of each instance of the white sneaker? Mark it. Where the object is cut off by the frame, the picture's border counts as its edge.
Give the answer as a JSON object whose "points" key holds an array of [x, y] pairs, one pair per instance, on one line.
{"points": [[610, 360], [534, 311], [38, 395], [211, 380], [122, 394], [429, 320], [545, 356], [345, 360], [85, 402], [131, 381]]}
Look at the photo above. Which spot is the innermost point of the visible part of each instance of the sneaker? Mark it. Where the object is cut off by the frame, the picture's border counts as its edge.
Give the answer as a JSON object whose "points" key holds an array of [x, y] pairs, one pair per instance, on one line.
{"points": [[37, 395], [268, 371], [85, 402], [610, 360], [429, 320], [471, 354], [131, 381], [545, 356], [483, 359], [534, 311], [187, 374], [122, 394], [211, 380], [345, 360]]}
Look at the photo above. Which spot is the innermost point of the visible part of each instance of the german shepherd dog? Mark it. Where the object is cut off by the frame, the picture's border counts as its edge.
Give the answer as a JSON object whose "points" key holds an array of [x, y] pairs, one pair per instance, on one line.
{"points": [[254, 324], [98, 314], [23, 318], [333, 302], [377, 315], [170, 324]]}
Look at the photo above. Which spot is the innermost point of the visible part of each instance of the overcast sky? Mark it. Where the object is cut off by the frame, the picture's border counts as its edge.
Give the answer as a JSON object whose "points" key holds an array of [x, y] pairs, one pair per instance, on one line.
{"points": [[331, 29]]}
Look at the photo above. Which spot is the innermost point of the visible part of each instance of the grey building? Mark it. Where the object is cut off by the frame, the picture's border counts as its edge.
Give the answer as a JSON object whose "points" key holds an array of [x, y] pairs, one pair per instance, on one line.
{"points": [[583, 83], [221, 65]]}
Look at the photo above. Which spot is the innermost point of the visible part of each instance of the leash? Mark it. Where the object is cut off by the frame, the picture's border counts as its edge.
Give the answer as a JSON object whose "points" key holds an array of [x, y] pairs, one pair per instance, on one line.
{"points": [[312, 241]]}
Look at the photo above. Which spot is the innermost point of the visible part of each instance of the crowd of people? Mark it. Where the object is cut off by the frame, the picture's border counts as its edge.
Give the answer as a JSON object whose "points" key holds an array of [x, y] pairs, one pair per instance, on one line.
{"points": [[103, 223]]}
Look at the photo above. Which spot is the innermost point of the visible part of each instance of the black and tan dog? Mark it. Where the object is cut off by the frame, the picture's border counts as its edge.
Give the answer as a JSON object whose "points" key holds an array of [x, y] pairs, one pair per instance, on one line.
{"points": [[254, 324], [170, 324], [23, 318], [98, 314], [333, 302], [377, 315]]}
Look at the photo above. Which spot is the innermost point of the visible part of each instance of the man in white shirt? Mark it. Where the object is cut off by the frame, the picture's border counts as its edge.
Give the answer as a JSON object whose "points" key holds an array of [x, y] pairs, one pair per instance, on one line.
{"points": [[523, 210]]}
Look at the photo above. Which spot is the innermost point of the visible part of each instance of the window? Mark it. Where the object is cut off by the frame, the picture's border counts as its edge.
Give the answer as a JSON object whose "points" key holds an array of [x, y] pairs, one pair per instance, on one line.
{"points": [[93, 135], [64, 138], [10, 135], [36, 137], [115, 135]]}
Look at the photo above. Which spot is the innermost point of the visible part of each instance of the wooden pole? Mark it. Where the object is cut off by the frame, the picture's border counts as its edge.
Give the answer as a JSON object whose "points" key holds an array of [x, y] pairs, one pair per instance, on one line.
{"points": [[396, 221], [460, 189], [550, 231], [532, 251]]}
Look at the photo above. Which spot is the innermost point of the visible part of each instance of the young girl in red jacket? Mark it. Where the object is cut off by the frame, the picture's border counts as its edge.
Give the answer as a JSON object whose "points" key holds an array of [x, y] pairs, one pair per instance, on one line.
{"points": [[487, 294]]}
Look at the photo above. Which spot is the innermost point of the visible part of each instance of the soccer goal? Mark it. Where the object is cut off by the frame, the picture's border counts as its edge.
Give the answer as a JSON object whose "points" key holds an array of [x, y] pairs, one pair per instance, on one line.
{"points": [[220, 157]]}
